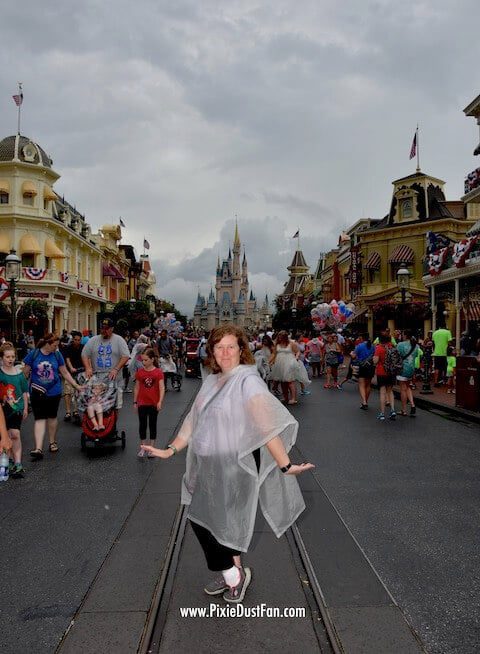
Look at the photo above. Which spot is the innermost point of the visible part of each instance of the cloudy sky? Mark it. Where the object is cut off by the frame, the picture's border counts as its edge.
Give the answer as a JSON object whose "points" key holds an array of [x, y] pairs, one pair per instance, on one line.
{"points": [[180, 114]]}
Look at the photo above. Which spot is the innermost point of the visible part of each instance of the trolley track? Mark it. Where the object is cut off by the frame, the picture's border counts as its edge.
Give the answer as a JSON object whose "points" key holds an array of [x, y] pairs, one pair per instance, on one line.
{"points": [[327, 639]]}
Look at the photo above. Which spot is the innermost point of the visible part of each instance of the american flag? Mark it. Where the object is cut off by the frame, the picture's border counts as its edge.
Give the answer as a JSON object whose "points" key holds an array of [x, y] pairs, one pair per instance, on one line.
{"points": [[18, 99], [413, 149], [122, 224], [146, 244]]}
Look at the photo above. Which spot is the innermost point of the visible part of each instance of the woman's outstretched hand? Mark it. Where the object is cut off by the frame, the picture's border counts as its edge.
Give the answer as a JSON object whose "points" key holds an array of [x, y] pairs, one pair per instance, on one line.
{"points": [[298, 469], [153, 451]]}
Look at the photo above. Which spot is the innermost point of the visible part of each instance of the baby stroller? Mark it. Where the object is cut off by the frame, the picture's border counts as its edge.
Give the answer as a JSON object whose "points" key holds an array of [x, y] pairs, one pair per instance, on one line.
{"points": [[169, 369], [97, 406]]}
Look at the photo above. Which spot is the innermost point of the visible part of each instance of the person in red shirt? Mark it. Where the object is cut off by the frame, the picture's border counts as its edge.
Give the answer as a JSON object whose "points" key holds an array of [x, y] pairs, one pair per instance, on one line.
{"points": [[384, 380], [148, 396]]}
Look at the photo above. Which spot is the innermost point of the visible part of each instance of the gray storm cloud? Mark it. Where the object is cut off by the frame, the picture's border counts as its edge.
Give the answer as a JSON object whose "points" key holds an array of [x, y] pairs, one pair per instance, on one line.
{"points": [[177, 115]]}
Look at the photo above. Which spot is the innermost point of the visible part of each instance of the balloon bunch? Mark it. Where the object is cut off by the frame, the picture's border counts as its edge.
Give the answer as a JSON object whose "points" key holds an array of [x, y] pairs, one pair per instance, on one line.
{"points": [[334, 314], [168, 322]]}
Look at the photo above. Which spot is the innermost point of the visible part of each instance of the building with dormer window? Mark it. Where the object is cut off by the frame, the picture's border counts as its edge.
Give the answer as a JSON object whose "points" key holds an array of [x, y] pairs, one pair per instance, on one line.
{"points": [[60, 258]]}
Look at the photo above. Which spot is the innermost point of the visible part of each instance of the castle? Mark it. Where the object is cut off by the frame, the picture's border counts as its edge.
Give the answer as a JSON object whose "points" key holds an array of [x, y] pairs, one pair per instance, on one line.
{"points": [[233, 301]]}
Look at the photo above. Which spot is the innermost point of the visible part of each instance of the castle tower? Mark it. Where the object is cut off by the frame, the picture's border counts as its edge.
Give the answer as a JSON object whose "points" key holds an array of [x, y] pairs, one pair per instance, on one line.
{"points": [[241, 310], [197, 313], [236, 272], [211, 311]]}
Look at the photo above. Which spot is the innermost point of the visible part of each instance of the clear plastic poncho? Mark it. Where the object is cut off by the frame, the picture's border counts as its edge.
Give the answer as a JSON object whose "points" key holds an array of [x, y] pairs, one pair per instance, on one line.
{"points": [[234, 414]]}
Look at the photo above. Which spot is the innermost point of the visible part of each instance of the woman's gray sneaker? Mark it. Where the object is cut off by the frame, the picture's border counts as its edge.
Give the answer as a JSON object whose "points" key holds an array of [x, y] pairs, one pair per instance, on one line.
{"points": [[217, 586], [237, 593]]}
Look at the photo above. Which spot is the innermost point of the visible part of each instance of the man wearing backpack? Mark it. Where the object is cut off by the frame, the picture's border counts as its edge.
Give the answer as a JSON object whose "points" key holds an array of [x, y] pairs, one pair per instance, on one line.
{"points": [[385, 371]]}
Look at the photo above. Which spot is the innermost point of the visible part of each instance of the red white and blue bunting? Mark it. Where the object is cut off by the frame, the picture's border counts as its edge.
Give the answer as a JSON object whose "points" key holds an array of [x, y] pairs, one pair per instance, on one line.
{"points": [[461, 250], [436, 261], [35, 274], [64, 277]]}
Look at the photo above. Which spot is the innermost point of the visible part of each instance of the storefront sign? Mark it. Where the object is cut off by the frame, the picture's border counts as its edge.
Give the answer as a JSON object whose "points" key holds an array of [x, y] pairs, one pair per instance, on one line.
{"points": [[355, 267], [38, 294]]}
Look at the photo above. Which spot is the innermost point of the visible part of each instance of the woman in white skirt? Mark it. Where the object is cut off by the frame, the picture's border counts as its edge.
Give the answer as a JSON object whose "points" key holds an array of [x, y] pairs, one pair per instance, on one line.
{"points": [[286, 368]]}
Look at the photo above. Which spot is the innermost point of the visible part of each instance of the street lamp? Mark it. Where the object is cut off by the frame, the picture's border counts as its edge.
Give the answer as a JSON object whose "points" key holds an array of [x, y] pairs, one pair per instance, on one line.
{"points": [[13, 264], [403, 281]]}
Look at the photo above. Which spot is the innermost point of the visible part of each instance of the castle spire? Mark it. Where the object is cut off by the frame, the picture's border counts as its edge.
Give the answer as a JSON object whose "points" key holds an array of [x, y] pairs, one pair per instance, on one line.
{"points": [[236, 239]]}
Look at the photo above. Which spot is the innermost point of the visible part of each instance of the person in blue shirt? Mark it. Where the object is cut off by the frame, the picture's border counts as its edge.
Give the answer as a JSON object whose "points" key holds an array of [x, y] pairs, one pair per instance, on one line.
{"points": [[363, 357], [46, 367]]}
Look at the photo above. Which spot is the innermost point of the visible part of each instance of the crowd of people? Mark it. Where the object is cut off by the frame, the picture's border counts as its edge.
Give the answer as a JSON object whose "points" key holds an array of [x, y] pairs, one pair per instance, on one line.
{"points": [[37, 374], [288, 362]]}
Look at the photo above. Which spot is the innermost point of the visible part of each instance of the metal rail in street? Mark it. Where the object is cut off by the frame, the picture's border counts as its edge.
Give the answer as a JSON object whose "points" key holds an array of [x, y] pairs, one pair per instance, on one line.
{"points": [[324, 629]]}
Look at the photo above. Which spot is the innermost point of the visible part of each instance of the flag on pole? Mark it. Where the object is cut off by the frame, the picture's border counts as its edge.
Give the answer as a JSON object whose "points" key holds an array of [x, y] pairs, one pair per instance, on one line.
{"points": [[413, 149], [297, 234], [18, 98], [146, 244], [122, 224]]}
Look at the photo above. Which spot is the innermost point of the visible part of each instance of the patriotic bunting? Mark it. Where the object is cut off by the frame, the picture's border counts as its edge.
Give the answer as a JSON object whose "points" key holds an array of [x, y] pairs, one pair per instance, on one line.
{"points": [[461, 250], [64, 277], [36, 274], [436, 261]]}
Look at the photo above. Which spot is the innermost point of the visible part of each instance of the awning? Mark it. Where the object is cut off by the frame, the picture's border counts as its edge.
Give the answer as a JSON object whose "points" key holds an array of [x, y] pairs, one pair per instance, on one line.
{"points": [[472, 309], [29, 188], [48, 193], [107, 270], [118, 274], [4, 186], [402, 254], [29, 245], [373, 261], [52, 251], [5, 243], [473, 231]]}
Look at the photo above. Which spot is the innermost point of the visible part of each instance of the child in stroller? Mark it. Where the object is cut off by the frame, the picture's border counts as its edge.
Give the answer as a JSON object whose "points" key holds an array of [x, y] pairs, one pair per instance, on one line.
{"points": [[97, 406], [169, 369]]}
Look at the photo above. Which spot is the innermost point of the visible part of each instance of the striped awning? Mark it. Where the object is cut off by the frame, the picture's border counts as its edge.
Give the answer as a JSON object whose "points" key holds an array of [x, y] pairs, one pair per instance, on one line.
{"points": [[472, 309], [402, 254], [4, 186], [373, 261]]}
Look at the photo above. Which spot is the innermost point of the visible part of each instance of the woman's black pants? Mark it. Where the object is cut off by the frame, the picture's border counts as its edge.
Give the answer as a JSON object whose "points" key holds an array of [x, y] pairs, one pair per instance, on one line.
{"points": [[217, 555]]}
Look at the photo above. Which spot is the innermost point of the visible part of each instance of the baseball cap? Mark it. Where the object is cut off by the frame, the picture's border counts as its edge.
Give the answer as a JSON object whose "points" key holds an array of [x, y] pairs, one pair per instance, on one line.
{"points": [[106, 322]]}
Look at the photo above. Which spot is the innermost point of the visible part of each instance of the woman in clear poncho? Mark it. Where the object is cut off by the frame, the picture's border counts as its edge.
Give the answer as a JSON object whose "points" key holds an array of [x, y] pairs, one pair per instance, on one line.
{"points": [[238, 436]]}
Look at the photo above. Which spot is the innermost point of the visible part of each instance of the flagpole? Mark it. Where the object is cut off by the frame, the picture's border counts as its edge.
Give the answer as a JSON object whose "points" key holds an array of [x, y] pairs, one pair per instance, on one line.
{"points": [[298, 239], [418, 152], [19, 105]]}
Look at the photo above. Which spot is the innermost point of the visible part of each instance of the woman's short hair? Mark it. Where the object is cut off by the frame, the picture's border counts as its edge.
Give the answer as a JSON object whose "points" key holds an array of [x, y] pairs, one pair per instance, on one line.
{"points": [[216, 335]]}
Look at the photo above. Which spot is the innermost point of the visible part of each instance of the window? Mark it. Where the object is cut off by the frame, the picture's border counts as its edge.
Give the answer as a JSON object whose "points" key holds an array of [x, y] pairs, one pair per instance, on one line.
{"points": [[28, 199], [373, 276], [28, 260], [406, 207], [3, 197]]}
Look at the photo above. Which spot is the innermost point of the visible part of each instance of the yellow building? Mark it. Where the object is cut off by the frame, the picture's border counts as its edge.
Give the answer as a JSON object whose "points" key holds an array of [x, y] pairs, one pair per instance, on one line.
{"points": [[398, 241], [61, 262]]}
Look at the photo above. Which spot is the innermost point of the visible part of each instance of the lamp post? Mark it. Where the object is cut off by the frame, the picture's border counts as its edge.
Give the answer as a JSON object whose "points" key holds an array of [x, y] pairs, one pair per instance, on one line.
{"points": [[294, 320], [13, 264], [403, 281]]}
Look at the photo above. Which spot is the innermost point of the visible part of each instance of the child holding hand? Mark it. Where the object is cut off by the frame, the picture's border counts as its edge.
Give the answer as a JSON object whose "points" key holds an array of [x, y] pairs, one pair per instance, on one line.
{"points": [[148, 397]]}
